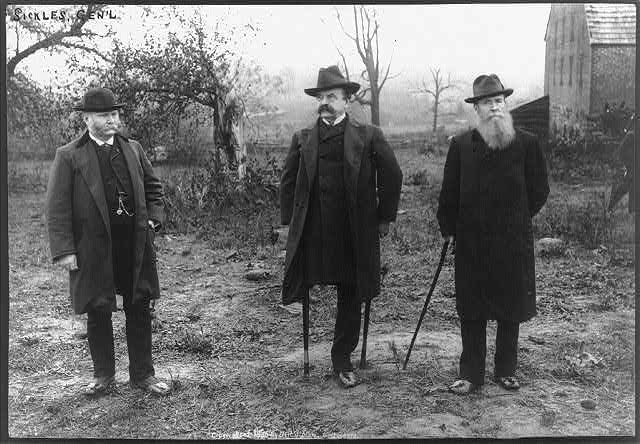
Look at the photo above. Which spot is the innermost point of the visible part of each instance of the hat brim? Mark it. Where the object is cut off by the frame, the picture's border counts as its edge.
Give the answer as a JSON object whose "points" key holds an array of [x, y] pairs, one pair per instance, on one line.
{"points": [[505, 92], [98, 110], [349, 87]]}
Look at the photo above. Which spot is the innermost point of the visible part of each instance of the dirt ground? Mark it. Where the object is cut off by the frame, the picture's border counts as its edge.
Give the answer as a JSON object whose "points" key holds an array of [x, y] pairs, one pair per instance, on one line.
{"points": [[234, 356]]}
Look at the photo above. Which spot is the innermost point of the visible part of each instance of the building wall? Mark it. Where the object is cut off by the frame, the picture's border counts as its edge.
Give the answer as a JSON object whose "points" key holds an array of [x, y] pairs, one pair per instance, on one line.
{"points": [[613, 76], [567, 66]]}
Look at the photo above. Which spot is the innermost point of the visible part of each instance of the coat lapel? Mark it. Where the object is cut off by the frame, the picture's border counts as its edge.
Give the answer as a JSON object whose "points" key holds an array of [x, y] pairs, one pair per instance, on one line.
{"points": [[353, 149], [87, 162], [310, 153]]}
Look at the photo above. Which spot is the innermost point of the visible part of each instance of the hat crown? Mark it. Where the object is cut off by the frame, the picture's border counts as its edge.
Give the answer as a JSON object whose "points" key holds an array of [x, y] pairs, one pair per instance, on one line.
{"points": [[331, 77], [98, 99], [484, 85], [487, 86]]}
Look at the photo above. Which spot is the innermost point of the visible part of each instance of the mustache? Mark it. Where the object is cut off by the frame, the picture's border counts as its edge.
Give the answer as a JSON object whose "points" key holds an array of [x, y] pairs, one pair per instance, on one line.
{"points": [[326, 107]]}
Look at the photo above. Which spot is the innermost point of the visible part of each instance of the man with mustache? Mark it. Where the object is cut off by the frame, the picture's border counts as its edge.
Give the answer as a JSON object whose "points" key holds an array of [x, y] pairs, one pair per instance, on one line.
{"points": [[104, 205], [495, 181], [339, 190]]}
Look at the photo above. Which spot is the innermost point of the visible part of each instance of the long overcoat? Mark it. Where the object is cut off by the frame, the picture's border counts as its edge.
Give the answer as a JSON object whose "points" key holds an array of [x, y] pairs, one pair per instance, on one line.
{"points": [[487, 201], [372, 180], [78, 223]]}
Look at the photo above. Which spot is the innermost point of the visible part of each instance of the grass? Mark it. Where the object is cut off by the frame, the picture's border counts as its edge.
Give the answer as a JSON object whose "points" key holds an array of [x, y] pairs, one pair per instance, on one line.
{"points": [[238, 374]]}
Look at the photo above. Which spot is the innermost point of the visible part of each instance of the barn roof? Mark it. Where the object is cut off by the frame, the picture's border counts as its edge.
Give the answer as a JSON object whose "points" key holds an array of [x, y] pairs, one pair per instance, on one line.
{"points": [[611, 24]]}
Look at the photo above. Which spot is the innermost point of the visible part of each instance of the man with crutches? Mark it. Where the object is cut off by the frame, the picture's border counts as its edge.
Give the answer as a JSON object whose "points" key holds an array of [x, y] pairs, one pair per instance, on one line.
{"points": [[339, 191]]}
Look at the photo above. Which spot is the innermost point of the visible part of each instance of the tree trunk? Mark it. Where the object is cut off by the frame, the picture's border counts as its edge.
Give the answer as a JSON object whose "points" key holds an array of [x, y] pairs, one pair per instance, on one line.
{"points": [[435, 117], [375, 108]]}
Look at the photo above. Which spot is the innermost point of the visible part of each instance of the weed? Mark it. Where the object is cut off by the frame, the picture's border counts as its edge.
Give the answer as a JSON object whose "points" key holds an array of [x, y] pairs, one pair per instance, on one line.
{"points": [[585, 221], [419, 178], [188, 342], [397, 359]]}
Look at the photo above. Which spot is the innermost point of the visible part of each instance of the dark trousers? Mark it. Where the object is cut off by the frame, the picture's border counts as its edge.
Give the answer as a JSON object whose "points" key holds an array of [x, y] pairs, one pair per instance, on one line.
{"points": [[138, 317], [347, 330], [474, 349]]}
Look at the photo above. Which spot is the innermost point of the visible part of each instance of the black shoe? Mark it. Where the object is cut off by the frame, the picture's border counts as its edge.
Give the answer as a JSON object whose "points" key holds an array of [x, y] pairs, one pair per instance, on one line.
{"points": [[100, 385], [507, 382], [152, 385], [347, 378], [463, 387]]}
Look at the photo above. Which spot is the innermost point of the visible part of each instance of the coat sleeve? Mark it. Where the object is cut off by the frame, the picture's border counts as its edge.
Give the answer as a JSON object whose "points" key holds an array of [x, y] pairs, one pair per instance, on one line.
{"points": [[389, 177], [59, 207], [152, 187], [536, 177], [288, 180], [449, 199]]}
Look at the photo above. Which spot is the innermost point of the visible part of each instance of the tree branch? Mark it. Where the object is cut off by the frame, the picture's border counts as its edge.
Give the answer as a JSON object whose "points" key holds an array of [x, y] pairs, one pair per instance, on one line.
{"points": [[54, 39]]}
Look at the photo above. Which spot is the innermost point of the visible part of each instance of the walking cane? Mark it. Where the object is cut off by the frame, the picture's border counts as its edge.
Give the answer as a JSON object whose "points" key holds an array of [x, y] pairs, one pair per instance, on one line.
{"points": [[443, 253], [305, 329], [365, 330]]}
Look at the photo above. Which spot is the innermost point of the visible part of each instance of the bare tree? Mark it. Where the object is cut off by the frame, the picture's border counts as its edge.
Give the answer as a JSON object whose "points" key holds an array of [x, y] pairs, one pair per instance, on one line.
{"points": [[365, 37], [54, 35], [439, 86]]}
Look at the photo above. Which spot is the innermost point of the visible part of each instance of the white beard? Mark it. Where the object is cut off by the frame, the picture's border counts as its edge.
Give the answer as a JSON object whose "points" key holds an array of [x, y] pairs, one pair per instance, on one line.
{"points": [[497, 132]]}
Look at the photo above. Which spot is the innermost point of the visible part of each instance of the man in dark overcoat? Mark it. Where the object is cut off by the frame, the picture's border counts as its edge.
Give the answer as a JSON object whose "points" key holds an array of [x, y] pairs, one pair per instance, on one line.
{"points": [[339, 191], [495, 181], [104, 205]]}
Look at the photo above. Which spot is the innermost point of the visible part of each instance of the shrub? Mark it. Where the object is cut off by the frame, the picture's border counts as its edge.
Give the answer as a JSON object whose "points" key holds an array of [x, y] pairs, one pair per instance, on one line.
{"points": [[573, 157], [582, 220], [200, 198]]}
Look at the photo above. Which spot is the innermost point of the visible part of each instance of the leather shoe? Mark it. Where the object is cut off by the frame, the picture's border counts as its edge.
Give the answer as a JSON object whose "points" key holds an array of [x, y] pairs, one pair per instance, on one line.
{"points": [[347, 378], [152, 385], [508, 382], [100, 385], [462, 387]]}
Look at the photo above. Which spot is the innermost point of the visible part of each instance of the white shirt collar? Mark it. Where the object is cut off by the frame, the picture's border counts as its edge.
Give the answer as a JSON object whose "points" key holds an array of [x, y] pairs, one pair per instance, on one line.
{"points": [[335, 122], [101, 142]]}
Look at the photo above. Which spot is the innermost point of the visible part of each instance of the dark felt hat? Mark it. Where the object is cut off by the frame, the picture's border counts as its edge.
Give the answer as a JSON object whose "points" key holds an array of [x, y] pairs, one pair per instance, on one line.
{"points": [[331, 77], [487, 86], [98, 100]]}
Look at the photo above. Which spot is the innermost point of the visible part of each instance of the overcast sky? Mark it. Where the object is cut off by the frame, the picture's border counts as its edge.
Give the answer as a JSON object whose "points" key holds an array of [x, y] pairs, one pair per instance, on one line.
{"points": [[462, 39], [465, 40]]}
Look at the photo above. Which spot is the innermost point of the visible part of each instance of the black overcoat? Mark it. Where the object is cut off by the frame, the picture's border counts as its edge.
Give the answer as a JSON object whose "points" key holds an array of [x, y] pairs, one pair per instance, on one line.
{"points": [[487, 200], [372, 181], [78, 223]]}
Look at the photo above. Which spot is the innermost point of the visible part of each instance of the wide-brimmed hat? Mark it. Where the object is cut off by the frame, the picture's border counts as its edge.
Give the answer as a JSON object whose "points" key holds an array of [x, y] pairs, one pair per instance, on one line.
{"points": [[487, 86], [331, 77], [98, 100]]}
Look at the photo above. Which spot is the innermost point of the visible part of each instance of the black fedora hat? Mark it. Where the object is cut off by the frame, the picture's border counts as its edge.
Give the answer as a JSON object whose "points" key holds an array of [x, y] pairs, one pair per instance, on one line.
{"points": [[98, 100], [487, 86], [331, 77]]}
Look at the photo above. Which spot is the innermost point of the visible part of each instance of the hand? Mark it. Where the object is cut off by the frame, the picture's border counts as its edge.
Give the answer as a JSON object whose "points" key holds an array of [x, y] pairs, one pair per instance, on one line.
{"points": [[383, 229], [68, 261], [154, 225], [452, 243]]}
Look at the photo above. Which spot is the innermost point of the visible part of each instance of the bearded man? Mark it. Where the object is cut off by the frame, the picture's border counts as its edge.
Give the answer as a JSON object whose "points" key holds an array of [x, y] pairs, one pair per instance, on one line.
{"points": [[104, 204], [495, 181], [339, 191]]}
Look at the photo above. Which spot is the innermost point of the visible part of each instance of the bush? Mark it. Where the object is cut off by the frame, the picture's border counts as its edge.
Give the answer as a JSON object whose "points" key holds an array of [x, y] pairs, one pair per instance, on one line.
{"points": [[584, 221], [209, 198], [573, 158]]}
